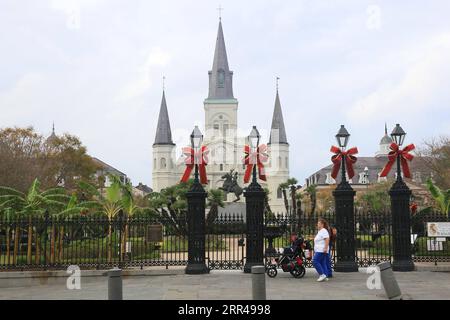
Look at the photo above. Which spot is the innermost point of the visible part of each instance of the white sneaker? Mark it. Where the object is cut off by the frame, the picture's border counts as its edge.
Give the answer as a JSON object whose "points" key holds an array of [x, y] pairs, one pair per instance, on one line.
{"points": [[321, 278], [326, 279]]}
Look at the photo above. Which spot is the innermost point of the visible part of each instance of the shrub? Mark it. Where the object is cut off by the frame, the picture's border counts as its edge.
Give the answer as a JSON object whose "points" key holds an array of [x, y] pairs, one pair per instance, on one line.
{"points": [[421, 248]]}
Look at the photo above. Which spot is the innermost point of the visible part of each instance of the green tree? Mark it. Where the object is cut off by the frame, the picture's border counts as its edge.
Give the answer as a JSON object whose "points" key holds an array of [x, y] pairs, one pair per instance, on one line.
{"points": [[267, 210], [376, 199], [109, 203], [312, 192], [26, 155], [215, 200], [292, 183], [34, 203], [283, 187], [435, 155], [441, 197]]}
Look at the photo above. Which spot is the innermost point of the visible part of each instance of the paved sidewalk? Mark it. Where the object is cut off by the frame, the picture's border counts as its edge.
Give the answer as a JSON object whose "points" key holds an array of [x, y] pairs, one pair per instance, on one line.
{"points": [[229, 285]]}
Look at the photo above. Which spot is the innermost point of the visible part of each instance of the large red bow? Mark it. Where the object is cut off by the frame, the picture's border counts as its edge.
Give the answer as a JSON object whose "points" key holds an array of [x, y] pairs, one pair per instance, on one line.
{"points": [[252, 158], [350, 159], [193, 158], [404, 156]]}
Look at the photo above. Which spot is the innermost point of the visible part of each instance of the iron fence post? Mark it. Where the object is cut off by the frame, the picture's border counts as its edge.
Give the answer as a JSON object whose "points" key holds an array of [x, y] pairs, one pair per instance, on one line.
{"points": [[254, 203], [344, 196], [401, 225], [120, 237], [46, 222], [196, 228]]}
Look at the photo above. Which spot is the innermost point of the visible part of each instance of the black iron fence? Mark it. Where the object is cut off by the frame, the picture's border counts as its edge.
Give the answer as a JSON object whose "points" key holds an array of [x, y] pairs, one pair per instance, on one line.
{"points": [[53, 243], [99, 242]]}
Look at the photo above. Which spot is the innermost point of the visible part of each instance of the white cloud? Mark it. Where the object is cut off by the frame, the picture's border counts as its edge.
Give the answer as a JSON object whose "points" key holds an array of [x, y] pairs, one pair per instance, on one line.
{"points": [[145, 75], [24, 98], [424, 81]]}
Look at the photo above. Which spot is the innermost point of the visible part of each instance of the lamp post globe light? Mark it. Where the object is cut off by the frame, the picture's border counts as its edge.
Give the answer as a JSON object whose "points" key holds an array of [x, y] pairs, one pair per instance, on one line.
{"points": [[196, 143], [196, 198], [400, 210], [345, 219], [254, 204], [253, 139]]}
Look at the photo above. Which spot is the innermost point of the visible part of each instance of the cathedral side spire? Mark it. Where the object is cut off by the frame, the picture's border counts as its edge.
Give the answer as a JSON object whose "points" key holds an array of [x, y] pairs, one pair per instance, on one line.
{"points": [[220, 77], [163, 132], [277, 131]]}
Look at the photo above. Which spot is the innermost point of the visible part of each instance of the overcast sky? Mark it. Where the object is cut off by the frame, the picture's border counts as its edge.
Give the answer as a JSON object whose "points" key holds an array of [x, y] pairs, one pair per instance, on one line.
{"points": [[95, 67]]}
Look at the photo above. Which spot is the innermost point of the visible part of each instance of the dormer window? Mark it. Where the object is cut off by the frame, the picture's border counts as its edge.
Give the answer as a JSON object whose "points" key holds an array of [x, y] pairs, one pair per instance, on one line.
{"points": [[329, 179], [220, 78], [363, 178]]}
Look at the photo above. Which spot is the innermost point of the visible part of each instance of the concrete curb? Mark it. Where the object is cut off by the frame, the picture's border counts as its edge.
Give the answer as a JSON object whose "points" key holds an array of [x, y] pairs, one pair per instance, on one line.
{"points": [[438, 268], [12, 279]]}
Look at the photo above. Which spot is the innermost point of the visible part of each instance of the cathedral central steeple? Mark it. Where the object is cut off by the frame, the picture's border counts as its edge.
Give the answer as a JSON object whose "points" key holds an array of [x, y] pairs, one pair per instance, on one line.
{"points": [[220, 77]]}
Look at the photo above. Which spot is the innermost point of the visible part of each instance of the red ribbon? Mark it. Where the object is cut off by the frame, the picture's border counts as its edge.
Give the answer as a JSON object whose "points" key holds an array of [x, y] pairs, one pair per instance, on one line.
{"points": [[193, 158], [252, 158], [350, 159], [405, 156]]}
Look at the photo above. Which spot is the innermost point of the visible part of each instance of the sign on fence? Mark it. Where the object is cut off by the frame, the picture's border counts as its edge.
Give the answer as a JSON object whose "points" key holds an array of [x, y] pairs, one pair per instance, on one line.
{"points": [[155, 233], [434, 245], [438, 229]]}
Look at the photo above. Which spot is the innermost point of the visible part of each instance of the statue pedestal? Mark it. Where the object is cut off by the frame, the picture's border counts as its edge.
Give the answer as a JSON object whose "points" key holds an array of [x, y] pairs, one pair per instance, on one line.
{"points": [[230, 208]]}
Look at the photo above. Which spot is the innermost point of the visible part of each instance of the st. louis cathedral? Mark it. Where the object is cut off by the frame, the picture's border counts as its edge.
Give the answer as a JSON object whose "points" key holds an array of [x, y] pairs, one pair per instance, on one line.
{"points": [[220, 136]]}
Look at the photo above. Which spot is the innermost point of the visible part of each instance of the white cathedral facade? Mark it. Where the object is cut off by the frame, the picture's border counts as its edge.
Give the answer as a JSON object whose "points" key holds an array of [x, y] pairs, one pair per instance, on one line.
{"points": [[226, 148]]}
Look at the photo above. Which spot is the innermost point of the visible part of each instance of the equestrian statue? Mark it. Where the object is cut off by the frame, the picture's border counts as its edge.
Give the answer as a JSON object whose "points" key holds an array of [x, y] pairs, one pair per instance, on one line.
{"points": [[230, 184]]}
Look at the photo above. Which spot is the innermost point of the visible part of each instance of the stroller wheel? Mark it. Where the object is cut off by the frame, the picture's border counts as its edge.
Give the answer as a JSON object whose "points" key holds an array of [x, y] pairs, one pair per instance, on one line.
{"points": [[298, 272], [272, 272]]}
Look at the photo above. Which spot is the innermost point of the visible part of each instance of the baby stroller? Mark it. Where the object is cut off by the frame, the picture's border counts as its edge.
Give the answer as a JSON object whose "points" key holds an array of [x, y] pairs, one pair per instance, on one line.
{"points": [[292, 259]]}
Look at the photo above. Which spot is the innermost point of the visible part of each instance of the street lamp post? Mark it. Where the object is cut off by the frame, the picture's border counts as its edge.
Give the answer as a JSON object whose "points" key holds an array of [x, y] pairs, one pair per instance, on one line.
{"points": [[254, 203], [345, 219], [196, 213], [400, 210]]}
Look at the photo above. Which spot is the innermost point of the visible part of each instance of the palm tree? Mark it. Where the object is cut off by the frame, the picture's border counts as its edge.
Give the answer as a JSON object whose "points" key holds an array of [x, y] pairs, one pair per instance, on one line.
{"points": [[267, 210], [215, 200], [441, 197], [283, 186], [109, 203], [130, 209], [312, 192], [73, 209], [298, 200], [292, 183], [32, 204]]}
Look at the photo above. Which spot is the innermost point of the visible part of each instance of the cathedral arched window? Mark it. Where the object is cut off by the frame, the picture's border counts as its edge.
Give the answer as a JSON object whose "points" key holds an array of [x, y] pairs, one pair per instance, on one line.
{"points": [[220, 78], [279, 193], [163, 163], [225, 128], [154, 163], [287, 162], [280, 164]]}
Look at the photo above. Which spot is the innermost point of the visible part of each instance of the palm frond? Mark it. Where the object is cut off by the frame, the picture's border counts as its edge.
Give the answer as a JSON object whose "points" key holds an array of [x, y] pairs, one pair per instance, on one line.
{"points": [[89, 188], [11, 191], [54, 191]]}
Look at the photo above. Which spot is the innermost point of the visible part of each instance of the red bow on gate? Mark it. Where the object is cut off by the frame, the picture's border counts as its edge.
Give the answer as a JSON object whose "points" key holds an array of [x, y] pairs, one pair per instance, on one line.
{"points": [[404, 156], [252, 158], [192, 158], [350, 159]]}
